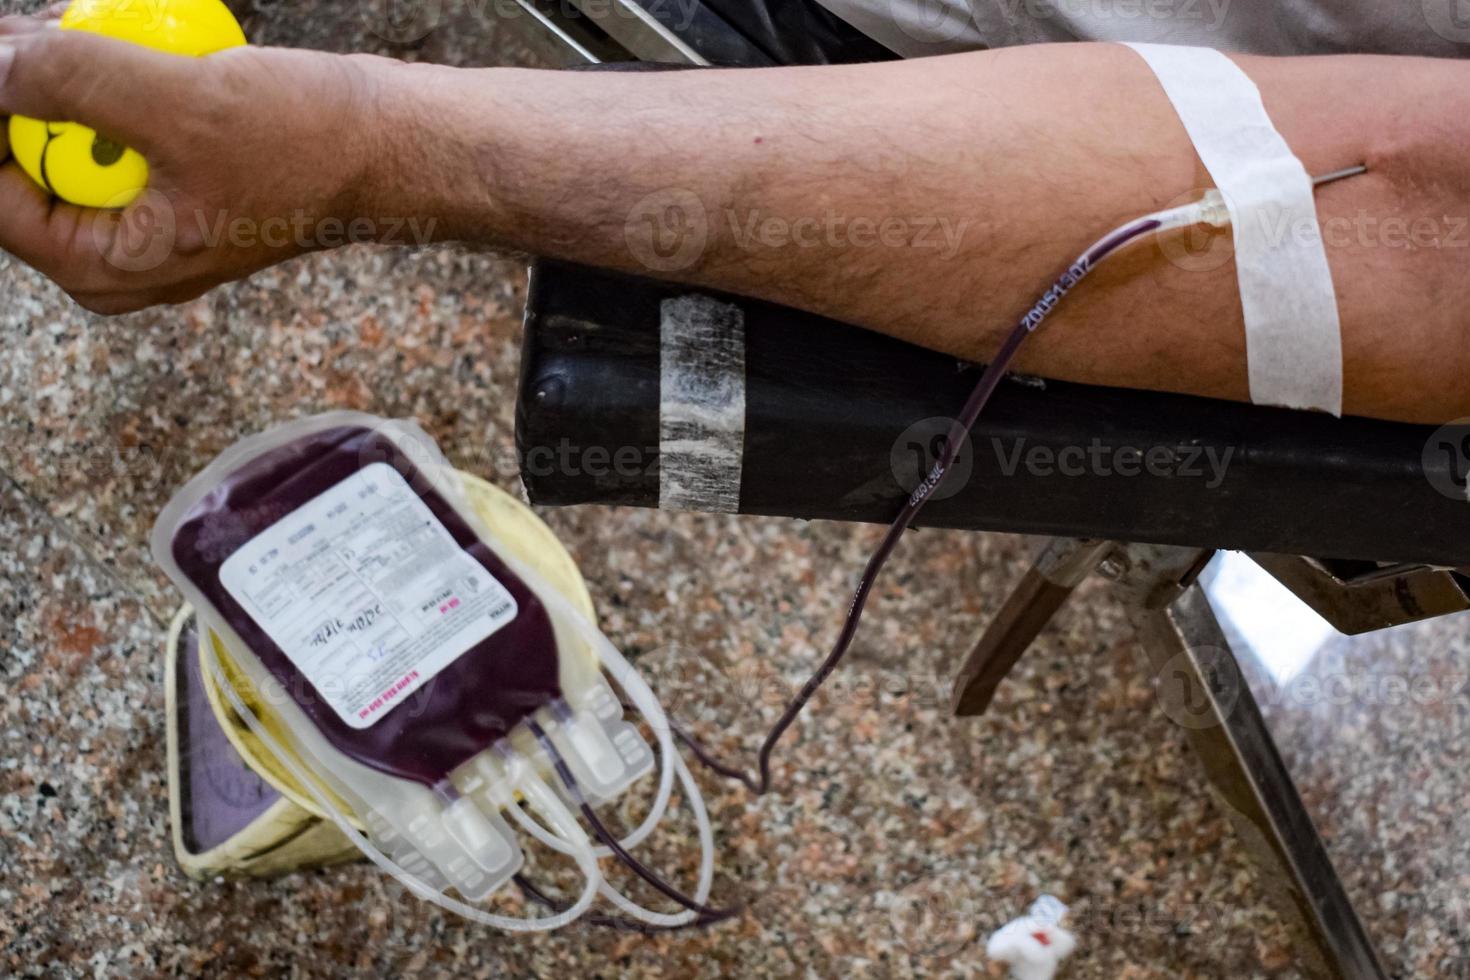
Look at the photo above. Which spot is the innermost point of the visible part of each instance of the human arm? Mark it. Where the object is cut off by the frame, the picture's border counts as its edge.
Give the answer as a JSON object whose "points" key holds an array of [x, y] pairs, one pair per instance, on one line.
{"points": [[1008, 161]]}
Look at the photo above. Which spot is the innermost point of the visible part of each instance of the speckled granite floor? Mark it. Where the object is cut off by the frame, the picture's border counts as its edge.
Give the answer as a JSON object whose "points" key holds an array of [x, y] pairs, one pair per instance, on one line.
{"points": [[900, 837]]}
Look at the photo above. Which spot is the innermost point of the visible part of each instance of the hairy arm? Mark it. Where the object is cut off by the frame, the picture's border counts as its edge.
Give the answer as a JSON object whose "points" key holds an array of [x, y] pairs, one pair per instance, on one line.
{"points": [[930, 200]]}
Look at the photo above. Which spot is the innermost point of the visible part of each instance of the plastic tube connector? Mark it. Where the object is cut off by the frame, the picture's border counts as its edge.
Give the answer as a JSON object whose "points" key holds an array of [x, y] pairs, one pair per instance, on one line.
{"points": [[1213, 210], [1208, 210]]}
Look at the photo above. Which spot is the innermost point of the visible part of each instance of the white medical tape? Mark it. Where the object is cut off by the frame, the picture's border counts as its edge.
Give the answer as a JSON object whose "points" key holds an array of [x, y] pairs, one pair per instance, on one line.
{"points": [[701, 417], [1293, 335]]}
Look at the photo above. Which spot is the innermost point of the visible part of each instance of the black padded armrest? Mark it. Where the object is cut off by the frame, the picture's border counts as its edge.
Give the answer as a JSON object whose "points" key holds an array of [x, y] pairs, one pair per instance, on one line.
{"points": [[825, 403]]}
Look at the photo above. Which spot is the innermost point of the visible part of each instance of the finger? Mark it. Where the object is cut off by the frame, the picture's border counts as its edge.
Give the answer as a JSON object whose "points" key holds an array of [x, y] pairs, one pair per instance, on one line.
{"points": [[109, 261], [49, 236], [25, 228], [124, 90]]}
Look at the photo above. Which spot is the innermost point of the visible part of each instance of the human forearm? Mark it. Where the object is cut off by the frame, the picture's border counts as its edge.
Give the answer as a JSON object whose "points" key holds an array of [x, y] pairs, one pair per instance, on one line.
{"points": [[988, 172], [928, 199]]}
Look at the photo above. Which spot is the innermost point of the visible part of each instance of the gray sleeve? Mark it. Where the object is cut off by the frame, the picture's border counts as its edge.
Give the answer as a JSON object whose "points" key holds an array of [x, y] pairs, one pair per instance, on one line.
{"points": [[916, 28]]}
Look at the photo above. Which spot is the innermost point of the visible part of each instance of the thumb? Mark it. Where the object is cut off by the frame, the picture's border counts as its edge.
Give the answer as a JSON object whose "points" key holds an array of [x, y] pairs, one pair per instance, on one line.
{"points": [[124, 90]]}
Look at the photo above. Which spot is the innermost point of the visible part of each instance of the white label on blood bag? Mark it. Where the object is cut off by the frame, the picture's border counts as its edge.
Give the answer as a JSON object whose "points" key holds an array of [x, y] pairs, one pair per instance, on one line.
{"points": [[366, 592]]}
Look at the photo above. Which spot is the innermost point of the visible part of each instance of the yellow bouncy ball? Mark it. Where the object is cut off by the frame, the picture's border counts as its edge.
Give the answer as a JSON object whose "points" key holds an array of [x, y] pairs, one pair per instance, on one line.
{"points": [[82, 166]]}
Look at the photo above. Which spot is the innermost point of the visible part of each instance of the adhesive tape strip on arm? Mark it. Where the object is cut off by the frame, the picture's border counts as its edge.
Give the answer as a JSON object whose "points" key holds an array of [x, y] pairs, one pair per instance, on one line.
{"points": [[1292, 332]]}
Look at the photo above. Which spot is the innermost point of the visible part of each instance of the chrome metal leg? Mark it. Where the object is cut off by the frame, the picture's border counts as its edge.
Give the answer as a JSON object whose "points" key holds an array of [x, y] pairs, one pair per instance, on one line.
{"points": [[1060, 567], [1203, 691]]}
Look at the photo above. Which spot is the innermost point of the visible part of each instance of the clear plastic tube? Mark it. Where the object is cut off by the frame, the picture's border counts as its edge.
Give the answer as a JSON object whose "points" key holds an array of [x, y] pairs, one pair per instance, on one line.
{"points": [[706, 862], [646, 702], [547, 803], [643, 699], [623, 675], [584, 858]]}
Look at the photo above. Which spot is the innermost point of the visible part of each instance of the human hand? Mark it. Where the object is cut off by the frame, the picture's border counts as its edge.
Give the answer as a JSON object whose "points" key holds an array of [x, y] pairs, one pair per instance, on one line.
{"points": [[256, 155]]}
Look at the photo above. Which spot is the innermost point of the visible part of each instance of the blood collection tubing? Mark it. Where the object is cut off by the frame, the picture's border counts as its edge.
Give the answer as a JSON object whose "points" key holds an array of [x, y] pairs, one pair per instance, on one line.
{"points": [[1210, 209], [544, 801], [646, 703], [648, 916], [585, 860], [590, 815], [633, 685]]}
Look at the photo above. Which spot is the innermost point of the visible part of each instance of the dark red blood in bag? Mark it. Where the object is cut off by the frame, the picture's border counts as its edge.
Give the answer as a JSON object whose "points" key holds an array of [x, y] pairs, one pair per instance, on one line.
{"points": [[460, 712]]}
